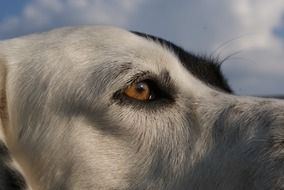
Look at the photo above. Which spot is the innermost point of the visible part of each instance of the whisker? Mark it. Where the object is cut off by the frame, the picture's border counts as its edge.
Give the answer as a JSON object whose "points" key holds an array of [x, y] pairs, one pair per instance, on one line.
{"points": [[230, 56], [229, 42]]}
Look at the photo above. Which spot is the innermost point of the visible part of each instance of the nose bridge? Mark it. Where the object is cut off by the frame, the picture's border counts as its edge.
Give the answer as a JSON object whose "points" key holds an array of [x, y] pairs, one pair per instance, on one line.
{"points": [[246, 118], [260, 107], [249, 104], [223, 111], [256, 107]]}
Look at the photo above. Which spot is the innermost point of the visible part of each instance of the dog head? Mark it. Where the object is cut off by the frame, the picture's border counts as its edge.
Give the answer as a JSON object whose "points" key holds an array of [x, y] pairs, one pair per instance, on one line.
{"points": [[103, 108]]}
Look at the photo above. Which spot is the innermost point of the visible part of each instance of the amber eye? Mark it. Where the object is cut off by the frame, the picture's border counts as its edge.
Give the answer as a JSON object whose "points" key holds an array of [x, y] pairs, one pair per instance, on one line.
{"points": [[140, 91]]}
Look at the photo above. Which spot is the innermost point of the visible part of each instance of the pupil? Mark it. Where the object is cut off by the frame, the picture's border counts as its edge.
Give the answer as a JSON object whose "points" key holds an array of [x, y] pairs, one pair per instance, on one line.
{"points": [[140, 87]]}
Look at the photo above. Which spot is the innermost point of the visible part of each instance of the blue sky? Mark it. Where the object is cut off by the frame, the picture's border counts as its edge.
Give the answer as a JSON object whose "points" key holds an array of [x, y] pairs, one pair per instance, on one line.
{"points": [[252, 31], [10, 8]]}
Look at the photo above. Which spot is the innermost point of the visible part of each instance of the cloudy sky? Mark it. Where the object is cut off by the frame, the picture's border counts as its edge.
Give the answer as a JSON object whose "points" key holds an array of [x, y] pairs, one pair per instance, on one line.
{"points": [[249, 32]]}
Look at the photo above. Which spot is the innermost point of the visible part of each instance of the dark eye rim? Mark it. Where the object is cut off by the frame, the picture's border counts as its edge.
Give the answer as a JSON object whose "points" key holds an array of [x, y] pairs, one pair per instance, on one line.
{"points": [[164, 94]]}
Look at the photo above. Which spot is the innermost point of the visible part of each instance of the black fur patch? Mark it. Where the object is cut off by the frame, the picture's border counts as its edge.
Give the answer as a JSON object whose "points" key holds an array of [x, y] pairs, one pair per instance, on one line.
{"points": [[206, 70], [10, 179]]}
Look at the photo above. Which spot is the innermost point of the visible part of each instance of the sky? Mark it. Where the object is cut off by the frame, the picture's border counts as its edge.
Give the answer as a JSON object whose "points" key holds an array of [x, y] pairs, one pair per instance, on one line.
{"points": [[248, 34]]}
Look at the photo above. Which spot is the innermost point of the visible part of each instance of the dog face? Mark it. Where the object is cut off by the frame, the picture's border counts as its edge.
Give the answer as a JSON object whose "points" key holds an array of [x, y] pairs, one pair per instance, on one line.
{"points": [[104, 108]]}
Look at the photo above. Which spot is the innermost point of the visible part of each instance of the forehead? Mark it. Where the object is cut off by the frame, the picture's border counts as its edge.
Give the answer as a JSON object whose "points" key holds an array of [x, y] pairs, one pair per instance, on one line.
{"points": [[89, 48], [109, 50], [108, 46]]}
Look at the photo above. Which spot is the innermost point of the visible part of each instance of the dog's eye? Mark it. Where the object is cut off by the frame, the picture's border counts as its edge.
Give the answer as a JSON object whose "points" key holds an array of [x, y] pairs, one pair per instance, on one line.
{"points": [[141, 91]]}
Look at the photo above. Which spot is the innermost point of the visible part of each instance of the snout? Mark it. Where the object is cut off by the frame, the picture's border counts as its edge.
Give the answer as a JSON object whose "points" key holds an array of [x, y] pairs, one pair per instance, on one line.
{"points": [[247, 146], [250, 119]]}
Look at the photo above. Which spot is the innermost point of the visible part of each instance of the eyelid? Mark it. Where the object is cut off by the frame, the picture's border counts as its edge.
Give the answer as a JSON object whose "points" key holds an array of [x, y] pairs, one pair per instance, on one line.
{"points": [[142, 76], [166, 86], [165, 90]]}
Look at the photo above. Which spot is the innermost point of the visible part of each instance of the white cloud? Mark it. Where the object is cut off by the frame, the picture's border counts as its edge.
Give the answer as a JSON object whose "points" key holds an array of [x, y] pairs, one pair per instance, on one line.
{"points": [[262, 49], [259, 18], [39, 15]]}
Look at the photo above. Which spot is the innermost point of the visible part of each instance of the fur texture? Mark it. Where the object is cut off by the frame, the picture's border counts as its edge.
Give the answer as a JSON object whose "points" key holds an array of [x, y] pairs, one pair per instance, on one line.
{"points": [[68, 124]]}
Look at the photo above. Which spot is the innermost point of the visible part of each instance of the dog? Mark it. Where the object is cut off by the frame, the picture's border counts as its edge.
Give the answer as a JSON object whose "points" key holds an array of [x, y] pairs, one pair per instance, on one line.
{"points": [[102, 108]]}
